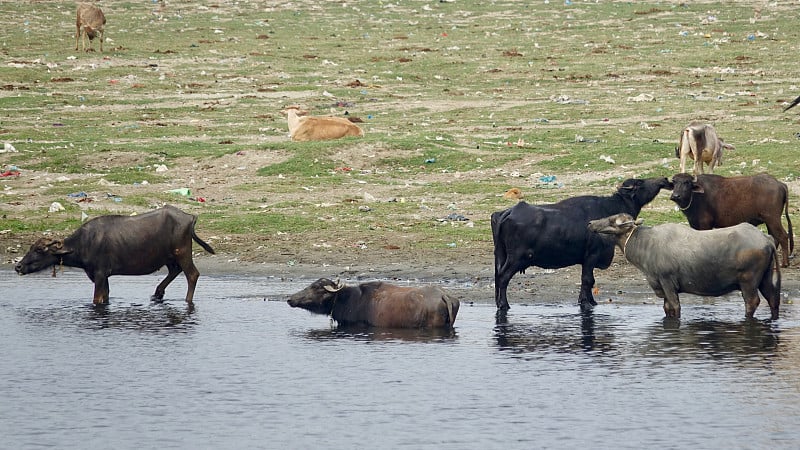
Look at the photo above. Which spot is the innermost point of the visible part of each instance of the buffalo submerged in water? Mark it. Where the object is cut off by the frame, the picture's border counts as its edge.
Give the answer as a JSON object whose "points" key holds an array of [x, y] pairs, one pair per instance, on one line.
{"points": [[379, 304], [124, 245]]}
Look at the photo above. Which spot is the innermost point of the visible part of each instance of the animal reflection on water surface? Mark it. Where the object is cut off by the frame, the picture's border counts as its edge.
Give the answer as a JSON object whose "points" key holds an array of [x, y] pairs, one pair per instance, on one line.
{"points": [[603, 335], [155, 317]]}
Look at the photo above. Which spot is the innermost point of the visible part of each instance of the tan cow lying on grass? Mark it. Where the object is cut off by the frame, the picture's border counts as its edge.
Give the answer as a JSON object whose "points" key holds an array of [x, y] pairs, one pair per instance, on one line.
{"points": [[699, 141], [90, 22], [322, 128]]}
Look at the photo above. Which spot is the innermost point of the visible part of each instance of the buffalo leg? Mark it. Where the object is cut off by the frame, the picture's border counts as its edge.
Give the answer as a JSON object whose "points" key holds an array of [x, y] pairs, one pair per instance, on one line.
{"points": [[174, 270], [192, 274], [751, 301], [672, 304], [100, 289], [586, 299], [782, 238], [772, 293], [501, 279]]}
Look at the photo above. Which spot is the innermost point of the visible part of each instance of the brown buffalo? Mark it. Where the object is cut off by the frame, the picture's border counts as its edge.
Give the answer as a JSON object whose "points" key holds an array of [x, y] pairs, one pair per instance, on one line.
{"points": [[124, 245], [712, 201], [379, 304]]}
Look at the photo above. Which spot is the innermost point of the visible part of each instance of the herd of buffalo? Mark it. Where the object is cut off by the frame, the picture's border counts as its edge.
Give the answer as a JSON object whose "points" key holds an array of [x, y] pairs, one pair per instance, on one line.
{"points": [[729, 254]]}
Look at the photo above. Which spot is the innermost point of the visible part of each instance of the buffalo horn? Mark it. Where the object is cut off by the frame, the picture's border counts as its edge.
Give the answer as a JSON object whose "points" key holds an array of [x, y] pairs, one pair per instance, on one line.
{"points": [[339, 286]]}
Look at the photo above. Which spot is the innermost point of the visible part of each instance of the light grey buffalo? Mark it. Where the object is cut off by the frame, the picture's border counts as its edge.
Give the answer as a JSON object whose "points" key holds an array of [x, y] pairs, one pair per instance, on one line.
{"points": [[675, 258]]}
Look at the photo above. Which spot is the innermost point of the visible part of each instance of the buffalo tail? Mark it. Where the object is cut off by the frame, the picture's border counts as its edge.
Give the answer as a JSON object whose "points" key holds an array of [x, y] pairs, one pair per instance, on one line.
{"points": [[202, 243]]}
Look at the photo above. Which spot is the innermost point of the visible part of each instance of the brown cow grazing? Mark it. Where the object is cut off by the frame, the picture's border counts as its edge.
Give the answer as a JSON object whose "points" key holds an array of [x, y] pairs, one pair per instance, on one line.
{"points": [[379, 304], [124, 245], [712, 201], [699, 141], [675, 258], [90, 22]]}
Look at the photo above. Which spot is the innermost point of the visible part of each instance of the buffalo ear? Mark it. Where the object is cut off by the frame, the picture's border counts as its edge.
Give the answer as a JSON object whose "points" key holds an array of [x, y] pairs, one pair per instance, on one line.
{"points": [[638, 222], [697, 189]]}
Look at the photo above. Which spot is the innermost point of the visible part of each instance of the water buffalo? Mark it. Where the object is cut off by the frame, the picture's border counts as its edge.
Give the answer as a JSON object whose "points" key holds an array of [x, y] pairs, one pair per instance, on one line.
{"points": [[712, 201], [379, 304], [555, 236], [675, 258], [124, 245]]}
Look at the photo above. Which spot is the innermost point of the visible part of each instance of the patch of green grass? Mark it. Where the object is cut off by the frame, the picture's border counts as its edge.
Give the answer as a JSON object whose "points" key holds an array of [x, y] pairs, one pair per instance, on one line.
{"points": [[259, 222]]}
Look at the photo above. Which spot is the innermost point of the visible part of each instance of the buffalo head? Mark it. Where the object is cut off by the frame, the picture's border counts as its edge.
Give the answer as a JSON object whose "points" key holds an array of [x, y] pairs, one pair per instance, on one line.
{"points": [[42, 254], [616, 225], [684, 187], [318, 298], [643, 191]]}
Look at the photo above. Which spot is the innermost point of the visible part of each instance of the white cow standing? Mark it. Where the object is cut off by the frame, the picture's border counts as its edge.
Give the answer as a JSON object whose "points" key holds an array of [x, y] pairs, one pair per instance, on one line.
{"points": [[699, 141]]}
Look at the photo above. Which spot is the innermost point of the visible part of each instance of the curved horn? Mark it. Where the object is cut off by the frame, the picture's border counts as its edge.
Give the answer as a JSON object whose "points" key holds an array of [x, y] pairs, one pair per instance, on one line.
{"points": [[339, 286], [56, 247]]}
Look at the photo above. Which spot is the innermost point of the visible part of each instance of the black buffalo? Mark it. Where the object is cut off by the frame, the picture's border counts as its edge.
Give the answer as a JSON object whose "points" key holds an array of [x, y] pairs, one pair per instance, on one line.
{"points": [[555, 235], [712, 201], [124, 245], [379, 304]]}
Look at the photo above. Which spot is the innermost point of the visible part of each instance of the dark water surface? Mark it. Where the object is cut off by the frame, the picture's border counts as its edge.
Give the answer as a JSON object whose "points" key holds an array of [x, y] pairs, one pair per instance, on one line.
{"points": [[244, 370]]}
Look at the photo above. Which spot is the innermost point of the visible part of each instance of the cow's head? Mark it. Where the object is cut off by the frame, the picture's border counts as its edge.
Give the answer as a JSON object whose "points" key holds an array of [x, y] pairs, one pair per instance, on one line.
{"points": [[318, 298], [618, 224], [684, 186], [42, 254]]}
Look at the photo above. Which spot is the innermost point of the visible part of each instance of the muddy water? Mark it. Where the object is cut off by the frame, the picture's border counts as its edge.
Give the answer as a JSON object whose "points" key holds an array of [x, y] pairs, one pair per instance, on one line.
{"points": [[244, 370]]}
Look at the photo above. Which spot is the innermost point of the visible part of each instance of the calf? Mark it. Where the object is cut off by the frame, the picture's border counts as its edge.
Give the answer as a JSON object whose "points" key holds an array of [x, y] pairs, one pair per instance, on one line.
{"points": [[379, 304], [555, 236], [90, 22], [124, 245], [675, 258], [712, 201], [309, 128], [699, 141]]}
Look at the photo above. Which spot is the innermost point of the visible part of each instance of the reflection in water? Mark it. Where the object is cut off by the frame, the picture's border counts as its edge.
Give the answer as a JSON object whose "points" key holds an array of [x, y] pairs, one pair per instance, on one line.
{"points": [[155, 317], [364, 333], [567, 333], [608, 335], [717, 339]]}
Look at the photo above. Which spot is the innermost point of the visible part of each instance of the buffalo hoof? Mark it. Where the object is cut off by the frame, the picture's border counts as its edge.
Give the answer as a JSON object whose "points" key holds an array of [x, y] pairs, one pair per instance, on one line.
{"points": [[157, 298]]}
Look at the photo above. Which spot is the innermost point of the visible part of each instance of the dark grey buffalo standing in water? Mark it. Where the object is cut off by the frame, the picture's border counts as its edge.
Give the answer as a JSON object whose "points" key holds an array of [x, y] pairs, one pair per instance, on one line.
{"points": [[555, 236], [379, 304], [675, 258], [124, 245]]}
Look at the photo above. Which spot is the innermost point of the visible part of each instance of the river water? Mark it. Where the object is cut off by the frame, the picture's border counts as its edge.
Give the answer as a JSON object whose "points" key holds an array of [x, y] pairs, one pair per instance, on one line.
{"points": [[244, 370]]}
